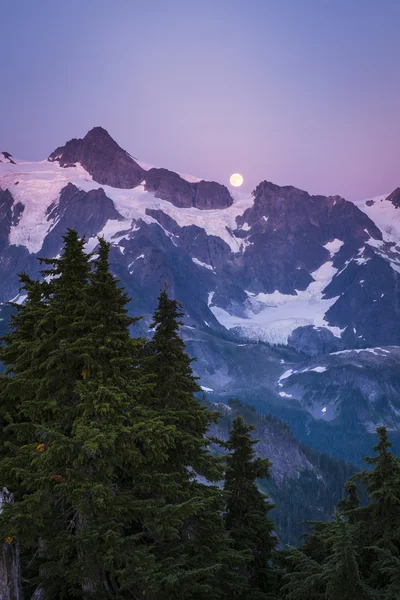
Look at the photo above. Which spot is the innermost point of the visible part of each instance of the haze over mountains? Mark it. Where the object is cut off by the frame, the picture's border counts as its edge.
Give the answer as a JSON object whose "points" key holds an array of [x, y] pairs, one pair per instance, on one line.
{"points": [[291, 301]]}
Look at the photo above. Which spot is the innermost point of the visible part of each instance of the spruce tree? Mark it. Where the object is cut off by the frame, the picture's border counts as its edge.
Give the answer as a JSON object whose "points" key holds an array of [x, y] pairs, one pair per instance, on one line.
{"points": [[196, 560], [247, 510], [341, 572], [379, 522], [81, 439], [18, 385]]}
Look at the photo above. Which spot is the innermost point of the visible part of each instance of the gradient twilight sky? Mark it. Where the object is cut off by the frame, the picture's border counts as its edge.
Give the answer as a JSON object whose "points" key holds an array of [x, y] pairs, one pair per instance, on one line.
{"points": [[299, 92]]}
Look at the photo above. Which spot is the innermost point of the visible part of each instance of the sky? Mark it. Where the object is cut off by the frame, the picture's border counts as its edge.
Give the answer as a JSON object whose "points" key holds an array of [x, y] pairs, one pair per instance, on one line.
{"points": [[298, 92]]}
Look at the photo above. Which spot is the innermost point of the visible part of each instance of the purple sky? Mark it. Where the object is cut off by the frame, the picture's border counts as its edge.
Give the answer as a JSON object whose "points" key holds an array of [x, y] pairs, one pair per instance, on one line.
{"points": [[299, 92]]}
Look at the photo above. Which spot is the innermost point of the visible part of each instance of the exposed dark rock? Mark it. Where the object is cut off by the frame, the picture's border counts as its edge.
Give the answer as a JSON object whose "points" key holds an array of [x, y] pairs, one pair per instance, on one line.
{"points": [[287, 230], [165, 220], [211, 195], [7, 157], [101, 156], [394, 198], [367, 307], [6, 216], [314, 341], [87, 212], [169, 186]]}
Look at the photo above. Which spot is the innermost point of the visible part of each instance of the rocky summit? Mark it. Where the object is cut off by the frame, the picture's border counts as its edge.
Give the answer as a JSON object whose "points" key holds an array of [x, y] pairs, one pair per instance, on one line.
{"points": [[273, 282]]}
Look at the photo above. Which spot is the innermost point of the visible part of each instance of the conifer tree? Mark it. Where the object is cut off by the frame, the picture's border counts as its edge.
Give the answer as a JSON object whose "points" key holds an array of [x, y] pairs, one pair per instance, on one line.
{"points": [[341, 571], [247, 511], [174, 386], [351, 501], [304, 577], [196, 561], [378, 522], [17, 386], [81, 438]]}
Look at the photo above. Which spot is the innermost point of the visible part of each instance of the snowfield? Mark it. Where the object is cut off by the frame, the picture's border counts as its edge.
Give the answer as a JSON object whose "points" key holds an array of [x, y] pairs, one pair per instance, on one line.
{"points": [[266, 317]]}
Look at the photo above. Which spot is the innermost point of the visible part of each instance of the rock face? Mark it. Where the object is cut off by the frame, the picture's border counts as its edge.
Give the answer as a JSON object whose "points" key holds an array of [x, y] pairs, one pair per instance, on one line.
{"points": [[7, 158], [101, 156], [206, 195], [10, 214], [314, 341], [394, 198], [286, 231], [87, 212]]}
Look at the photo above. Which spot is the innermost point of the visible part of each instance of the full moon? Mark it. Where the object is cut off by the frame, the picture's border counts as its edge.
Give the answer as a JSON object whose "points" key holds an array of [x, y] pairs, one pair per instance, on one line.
{"points": [[236, 180]]}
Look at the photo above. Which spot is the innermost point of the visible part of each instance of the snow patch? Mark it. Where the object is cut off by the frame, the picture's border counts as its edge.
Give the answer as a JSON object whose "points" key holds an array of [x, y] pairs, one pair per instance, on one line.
{"points": [[285, 395], [201, 264], [334, 246]]}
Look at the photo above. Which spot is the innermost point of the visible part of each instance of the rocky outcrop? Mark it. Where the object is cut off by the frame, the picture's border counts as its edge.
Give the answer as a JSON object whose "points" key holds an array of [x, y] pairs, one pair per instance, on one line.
{"points": [[205, 195], [394, 198], [10, 214], [210, 195], [7, 158], [314, 341], [87, 212], [169, 186], [101, 156]]}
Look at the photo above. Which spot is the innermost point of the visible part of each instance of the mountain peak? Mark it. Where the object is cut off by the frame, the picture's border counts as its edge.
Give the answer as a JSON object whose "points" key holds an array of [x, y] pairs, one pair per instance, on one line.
{"points": [[102, 157], [7, 157], [394, 198]]}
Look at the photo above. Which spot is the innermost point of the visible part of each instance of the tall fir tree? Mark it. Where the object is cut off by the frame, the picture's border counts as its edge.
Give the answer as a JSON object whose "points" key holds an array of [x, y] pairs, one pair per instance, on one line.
{"points": [[303, 579], [378, 522], [247, 511], [18, 385], [341, 572], [81, 439], [197, 562]]}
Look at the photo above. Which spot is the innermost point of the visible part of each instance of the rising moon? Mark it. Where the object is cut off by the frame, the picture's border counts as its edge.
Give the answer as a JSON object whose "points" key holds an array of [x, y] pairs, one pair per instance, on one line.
{"points": [[236, 180]]}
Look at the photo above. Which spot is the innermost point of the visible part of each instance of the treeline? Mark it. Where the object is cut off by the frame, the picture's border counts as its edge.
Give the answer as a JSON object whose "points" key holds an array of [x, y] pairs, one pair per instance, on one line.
{"points": [[109, 488]]}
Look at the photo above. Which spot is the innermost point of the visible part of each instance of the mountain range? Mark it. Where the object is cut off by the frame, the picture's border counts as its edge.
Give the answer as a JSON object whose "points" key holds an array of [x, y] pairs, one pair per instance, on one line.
{"points": [[291, 301]]}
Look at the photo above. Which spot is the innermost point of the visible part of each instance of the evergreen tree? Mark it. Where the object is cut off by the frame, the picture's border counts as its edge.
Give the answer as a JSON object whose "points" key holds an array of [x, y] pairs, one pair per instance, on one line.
{"points": [[304, 577], [341, 571], [174, 388], [247, 510], [351, 501], [197, 561], [18, 386], [379, 522], [82, 438]]}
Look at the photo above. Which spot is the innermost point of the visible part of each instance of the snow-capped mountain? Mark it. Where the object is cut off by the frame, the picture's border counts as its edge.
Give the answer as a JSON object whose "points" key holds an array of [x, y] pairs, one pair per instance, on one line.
{"points": [[315, 274]]}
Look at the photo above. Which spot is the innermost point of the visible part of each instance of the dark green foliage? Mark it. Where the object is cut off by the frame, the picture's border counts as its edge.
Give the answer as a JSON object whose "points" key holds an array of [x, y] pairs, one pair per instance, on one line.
{"points": [[247, 509], [341, 571], [81, 434], [198, 561], [357, 555]]}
